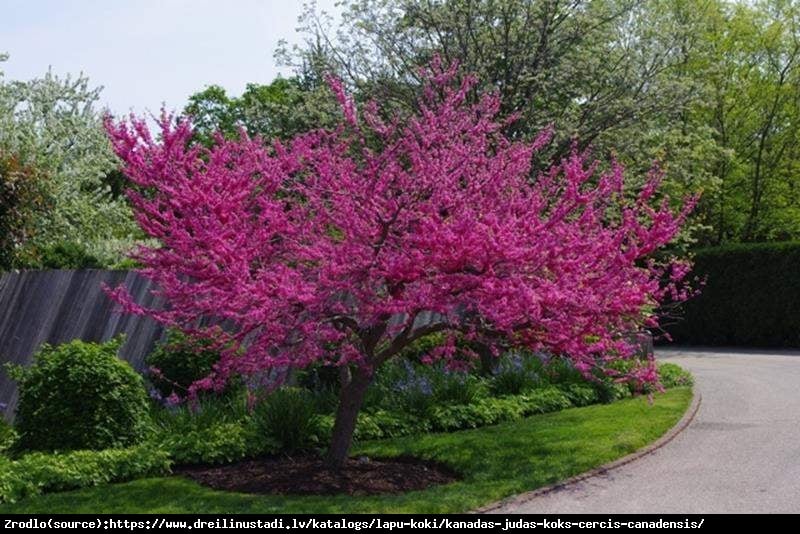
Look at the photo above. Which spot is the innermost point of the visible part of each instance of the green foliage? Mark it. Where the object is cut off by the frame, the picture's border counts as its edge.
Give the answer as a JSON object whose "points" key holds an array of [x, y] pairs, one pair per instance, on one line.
{"points": [[288, 415], [37, 473], [8, 437], [750, 298], [516, 373], [495, 462], [581, 394], [452, 387], [379, 424], [22, 198], [80, 396], [211, 430], [52, 125], [383, 424], [673, 376], [218, 443], [66, 255], [180, 360], [280, 109], [490, 411]]}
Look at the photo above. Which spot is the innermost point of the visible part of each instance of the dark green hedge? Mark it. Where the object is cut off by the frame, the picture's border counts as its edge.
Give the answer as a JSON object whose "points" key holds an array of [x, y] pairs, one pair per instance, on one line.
{"points": [[751, 298]]}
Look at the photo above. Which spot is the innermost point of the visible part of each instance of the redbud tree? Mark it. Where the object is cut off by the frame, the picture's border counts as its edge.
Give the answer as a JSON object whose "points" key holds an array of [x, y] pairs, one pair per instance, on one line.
{"points": [[344, 246]]}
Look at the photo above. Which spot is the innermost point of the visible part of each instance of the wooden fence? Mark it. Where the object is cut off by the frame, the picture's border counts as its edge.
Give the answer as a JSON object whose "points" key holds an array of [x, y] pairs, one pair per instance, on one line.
{"points": [[58, 306]]}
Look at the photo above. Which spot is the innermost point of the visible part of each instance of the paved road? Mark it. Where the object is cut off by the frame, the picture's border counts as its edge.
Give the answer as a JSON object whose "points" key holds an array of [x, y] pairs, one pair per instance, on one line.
{"points": [[740, 454]]}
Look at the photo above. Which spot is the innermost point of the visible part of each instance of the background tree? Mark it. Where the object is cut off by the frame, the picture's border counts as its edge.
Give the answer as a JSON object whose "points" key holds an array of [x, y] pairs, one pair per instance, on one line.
{"points": [[21, 200], [281, 109], [754, 109], [347, 245], [51, 124], [708, 86]]}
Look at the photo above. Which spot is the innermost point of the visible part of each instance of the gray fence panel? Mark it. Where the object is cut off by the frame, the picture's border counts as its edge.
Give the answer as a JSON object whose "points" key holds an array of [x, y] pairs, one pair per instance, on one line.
{"points": [[58, 306]]}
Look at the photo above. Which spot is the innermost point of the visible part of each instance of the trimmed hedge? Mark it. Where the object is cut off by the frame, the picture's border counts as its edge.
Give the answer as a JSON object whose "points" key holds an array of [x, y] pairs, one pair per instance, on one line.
{"points": [[751, 297], [38, 472]]}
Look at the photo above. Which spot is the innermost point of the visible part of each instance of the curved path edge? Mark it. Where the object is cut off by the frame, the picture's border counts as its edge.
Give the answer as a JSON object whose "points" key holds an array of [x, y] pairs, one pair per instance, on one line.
{"points": [[680, 426]]}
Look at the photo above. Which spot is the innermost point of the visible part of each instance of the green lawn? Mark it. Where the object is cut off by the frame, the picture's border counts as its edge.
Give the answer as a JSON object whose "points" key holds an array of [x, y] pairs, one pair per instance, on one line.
{"points": [[496, 462]]}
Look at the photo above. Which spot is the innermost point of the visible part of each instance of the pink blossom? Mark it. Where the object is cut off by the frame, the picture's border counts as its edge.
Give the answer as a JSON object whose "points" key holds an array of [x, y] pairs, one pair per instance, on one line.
{"points": [[332, 248]]}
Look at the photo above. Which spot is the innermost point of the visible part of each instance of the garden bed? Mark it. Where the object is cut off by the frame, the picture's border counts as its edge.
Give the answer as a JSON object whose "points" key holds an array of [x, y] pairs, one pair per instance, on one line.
{"points": [[494, 462], [308, 475]]}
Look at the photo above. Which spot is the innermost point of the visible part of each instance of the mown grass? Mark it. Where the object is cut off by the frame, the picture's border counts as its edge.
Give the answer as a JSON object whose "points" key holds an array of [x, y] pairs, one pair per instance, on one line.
{"points": [[495, 462]]}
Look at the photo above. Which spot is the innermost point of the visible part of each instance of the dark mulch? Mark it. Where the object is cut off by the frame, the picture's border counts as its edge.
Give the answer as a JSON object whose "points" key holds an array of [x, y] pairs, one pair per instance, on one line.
{"points": [[307, 475]]}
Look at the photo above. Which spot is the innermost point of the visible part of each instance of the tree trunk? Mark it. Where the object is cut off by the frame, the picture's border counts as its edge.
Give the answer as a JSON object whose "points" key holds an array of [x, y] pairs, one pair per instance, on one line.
{"points": [[351, 396], [487, 359]]}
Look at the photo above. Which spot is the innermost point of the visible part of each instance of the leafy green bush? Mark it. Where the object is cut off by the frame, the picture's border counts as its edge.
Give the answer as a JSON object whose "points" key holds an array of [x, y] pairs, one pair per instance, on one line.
{"points": [[750, 297], [220, 443], [581, 394], [384, 424], [37, 473], [180, 360], [202, 413], [402, 386], [673, 376], [562, 371], [80, 396], [289, 416], [212, 430], [67, 256], [456, 387], [489, 411]]}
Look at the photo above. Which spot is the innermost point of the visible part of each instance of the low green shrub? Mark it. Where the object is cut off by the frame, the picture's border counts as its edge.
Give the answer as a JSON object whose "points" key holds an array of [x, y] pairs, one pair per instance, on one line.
{"points": [[450, 387], [219, 443], [581, 394], [516, 373], [38, 472], [80, 396], [211, 430], [67, 256], [489, 411], [179, 361], [289, 416], [201, 413], [562, 371], [384, 424]]}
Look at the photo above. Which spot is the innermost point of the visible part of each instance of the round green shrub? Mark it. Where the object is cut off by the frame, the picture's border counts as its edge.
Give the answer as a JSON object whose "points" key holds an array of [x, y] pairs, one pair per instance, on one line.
{"points": [[180, 360], [69, 256], [80, 396]]}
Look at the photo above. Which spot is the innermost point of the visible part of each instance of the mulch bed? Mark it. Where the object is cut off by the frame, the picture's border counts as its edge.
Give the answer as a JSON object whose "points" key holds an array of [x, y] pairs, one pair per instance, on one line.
{"points": [[307, 475]]}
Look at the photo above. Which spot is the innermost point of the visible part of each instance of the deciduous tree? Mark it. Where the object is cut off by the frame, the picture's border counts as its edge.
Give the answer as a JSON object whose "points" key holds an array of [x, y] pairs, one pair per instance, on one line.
{"points": [[346, 245]]}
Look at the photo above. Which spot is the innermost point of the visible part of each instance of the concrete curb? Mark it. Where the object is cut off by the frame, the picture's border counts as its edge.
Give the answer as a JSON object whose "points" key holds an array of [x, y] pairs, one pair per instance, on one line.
{"points": [[687, 418]]}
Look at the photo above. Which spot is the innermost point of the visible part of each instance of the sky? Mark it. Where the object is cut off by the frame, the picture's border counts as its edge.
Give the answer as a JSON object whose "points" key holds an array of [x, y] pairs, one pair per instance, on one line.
{"points": [[146, 53]]}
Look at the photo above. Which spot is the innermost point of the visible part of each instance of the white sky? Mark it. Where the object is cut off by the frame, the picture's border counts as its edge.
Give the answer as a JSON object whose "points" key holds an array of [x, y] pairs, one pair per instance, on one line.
{"points": [[148, 52]]}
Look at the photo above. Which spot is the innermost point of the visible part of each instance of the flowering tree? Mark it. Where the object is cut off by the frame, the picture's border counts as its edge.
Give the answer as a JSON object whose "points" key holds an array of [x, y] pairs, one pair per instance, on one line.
{"points": [[52, 124], [345, 246]]}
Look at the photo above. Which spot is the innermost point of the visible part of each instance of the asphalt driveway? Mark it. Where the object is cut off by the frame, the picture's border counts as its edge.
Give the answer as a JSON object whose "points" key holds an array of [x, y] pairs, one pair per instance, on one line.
{"points": [[740, 454]]}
